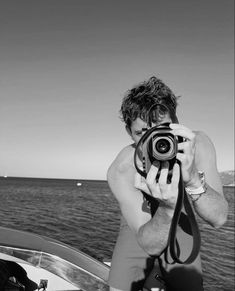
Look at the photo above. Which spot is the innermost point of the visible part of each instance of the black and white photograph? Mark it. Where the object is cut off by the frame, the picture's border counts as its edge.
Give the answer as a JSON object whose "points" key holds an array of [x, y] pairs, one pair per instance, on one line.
{"points": [[117, 145]]}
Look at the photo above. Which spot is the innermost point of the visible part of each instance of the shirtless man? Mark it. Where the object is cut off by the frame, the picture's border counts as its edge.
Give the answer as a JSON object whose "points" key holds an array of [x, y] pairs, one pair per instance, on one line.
{"points": [[143, 236]]}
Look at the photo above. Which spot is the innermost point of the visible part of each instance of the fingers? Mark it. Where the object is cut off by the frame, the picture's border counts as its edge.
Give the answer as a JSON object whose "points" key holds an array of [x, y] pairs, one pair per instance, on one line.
{"points": [[152, 174], [149, 185], [164, 173], [175, 175], [141, 184], [163, 180], [181, 130], [188, 147], [181, 157], [151, 180], [160, 189]]}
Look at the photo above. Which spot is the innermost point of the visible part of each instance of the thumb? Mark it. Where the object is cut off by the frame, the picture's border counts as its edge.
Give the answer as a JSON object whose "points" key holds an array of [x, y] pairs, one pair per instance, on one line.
{"points": [[140, 184]]}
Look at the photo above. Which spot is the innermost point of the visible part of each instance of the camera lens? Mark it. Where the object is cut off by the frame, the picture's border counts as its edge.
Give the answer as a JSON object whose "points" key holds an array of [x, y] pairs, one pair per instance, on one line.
{"points": [[163, 146]]}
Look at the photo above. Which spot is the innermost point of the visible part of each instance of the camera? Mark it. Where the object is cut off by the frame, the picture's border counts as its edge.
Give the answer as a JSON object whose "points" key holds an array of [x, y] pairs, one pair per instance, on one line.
{"points": [[157, 144]]}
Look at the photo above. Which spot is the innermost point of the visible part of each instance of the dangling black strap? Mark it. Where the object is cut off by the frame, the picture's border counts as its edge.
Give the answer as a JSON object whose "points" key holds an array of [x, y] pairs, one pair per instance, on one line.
{"points": [[172, 240], [182, 200]]}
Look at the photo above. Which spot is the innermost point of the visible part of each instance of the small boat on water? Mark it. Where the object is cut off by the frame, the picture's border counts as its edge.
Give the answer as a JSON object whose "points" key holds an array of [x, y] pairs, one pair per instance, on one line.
{"points": [[79, 184], [52, 263]]}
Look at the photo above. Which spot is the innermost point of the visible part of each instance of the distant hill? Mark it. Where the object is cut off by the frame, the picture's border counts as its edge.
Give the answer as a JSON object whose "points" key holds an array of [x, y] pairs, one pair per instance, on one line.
{"points": [[227, 177]]}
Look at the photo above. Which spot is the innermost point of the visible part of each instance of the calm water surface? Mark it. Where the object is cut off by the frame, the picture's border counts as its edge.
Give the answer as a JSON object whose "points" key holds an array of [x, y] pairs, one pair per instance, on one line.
{"points": [[87, 217]]}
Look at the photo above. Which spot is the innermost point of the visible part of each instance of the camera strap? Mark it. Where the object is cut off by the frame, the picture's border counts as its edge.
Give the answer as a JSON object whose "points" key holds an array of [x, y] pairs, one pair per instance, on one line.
{"points": [[173, 245], [182, 200]]}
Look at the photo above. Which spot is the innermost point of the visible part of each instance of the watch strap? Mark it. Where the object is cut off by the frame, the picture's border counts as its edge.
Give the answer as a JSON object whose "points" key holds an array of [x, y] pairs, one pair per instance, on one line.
{"points": [[201, 189]]}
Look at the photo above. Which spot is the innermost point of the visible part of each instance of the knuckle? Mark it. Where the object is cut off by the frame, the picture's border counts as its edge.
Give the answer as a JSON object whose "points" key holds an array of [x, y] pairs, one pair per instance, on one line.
{"points": [[156, 194], [163, 189], [164, 197]]}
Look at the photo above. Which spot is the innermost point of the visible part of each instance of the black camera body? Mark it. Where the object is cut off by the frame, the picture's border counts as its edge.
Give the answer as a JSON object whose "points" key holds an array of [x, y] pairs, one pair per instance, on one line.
{"points": [[158, 144]]}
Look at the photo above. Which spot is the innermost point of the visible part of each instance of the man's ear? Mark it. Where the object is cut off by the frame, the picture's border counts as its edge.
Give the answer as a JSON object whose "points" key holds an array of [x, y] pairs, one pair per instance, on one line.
{"points": [[128, 130]]}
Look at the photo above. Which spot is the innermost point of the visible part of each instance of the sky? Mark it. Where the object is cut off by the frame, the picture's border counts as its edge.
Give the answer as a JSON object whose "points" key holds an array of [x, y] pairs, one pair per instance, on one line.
{"points": [[66, 65]]}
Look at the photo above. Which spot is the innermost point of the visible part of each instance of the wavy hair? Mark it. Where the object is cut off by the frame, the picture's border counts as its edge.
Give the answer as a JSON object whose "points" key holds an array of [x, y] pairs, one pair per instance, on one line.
{"points": [[137, 101]]}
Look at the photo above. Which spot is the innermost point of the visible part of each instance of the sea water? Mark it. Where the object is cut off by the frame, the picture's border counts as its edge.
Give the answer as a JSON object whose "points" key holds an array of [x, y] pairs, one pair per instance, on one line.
{"points": [[86, 216]]}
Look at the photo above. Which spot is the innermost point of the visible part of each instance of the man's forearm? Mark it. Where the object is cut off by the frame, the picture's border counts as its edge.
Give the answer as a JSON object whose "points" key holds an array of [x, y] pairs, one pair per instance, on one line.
{"points": [[153, 235], [212, 207]]}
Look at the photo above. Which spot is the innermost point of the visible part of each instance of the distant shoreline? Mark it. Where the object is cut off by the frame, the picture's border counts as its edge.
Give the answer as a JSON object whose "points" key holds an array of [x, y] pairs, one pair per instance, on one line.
{"points": [[78, 180], [55, 179]]}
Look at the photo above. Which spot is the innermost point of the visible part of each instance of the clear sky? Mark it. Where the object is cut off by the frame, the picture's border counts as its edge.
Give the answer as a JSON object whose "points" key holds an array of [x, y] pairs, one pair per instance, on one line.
{"points": [[65, 66]]}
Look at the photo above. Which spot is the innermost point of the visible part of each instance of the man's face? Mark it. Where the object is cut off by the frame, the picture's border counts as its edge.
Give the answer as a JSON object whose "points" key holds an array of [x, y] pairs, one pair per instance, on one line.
{"points": [[139, 127]]}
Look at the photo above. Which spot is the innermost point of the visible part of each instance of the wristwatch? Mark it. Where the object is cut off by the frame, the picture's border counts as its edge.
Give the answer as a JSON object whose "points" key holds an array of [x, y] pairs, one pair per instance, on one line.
{"points": [[195, 194]]}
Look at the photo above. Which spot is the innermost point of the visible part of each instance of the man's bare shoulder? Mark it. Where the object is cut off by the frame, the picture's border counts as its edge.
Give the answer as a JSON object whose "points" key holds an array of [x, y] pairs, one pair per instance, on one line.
{"points": [[205, 150], [203, 141], [123, 161]]}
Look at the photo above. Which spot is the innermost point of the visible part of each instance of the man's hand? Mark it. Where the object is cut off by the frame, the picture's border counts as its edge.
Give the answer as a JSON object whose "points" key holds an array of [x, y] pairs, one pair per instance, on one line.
{"points": [[187, 154], [165, 193]]}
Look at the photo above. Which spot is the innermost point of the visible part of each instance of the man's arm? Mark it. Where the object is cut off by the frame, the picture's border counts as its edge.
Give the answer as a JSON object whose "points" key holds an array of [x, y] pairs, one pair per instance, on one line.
{"points": [[199, 155], [151, 232], [153, 235], [211, 206]]}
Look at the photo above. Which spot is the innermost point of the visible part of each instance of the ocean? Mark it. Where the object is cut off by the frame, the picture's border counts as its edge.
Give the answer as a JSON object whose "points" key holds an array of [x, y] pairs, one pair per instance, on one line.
{"points": [[87, 217]]}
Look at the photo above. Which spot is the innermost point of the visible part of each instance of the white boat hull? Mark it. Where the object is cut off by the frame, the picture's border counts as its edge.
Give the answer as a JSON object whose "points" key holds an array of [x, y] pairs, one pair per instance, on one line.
{"points": [[63, 267]]}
